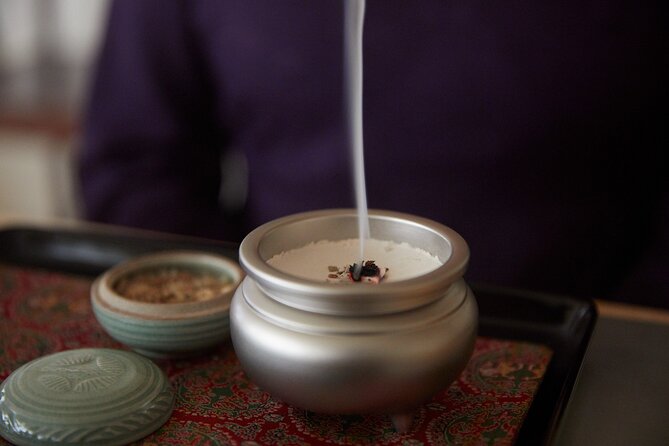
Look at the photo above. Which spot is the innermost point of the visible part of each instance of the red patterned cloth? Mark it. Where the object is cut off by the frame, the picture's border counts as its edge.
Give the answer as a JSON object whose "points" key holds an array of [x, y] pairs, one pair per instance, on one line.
{"points": [[43, 312]]}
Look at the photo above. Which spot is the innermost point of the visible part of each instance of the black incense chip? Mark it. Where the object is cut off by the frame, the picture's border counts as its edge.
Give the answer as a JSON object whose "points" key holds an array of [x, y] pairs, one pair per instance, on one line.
{"points": [[369, 273], [369, 269]]}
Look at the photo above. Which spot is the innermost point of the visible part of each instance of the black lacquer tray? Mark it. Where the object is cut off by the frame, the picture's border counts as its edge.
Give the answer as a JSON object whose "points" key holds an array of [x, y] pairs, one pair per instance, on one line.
{"points": [[564, 324]]}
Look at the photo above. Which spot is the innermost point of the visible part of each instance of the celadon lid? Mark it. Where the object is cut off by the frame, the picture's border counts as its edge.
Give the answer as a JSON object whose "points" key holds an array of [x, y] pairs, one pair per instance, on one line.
{"points": [[84, 396]]}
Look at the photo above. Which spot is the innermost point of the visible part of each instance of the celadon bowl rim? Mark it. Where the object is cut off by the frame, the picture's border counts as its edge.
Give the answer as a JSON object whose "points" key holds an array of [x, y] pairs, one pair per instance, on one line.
{"points": [[104, 294]]}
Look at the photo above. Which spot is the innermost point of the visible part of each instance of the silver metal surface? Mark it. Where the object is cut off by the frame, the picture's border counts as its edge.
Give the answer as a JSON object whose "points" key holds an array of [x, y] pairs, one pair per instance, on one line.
{"points": [[334, 348], [336, 224]]}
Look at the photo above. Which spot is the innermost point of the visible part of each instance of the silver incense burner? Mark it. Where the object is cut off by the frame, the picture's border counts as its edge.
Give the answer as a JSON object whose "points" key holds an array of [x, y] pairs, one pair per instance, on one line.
{"points": [[352, 349]]}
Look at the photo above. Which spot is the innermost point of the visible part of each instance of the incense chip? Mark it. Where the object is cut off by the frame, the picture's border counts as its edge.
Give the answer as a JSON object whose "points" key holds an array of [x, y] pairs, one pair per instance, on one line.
{"points": [[370, 272]]}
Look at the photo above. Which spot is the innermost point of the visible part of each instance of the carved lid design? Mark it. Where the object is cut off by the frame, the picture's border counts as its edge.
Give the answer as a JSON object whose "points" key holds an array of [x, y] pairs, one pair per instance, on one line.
{"points": [[84, 396]]}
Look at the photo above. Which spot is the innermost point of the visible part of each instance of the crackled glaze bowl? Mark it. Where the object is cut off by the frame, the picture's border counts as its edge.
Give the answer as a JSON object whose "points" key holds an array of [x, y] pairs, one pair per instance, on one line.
{"points": [[353, 348], [167, 304]]}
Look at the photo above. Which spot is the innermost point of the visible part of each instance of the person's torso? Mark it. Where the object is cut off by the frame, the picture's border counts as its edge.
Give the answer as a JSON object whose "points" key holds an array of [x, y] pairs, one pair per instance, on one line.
{"points": [[510, 122]]}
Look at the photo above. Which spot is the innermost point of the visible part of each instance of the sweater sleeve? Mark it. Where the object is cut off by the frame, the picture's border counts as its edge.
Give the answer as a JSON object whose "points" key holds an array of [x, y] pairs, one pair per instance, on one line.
{"points": [[151, 147]]}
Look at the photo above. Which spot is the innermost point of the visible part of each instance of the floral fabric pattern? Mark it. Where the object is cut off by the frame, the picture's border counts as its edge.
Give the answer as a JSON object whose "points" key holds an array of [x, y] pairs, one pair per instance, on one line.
{"points": [[42, 312]]}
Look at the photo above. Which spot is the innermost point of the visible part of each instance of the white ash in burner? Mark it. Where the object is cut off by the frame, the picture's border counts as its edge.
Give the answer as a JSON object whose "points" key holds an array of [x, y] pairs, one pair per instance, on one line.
{"points": [[328, 260]]}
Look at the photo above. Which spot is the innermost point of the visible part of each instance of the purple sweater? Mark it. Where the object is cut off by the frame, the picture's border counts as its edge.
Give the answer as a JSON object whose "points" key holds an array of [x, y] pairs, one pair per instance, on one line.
{"points": [[532, 128]]}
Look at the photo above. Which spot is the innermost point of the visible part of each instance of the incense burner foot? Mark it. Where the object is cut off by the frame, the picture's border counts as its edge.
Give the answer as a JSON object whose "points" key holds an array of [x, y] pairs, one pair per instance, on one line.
{"points": [[402, 422]]}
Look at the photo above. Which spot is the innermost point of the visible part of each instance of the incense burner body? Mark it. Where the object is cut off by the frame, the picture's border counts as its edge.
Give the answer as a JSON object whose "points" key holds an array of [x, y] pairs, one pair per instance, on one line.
{"points": [[353, 348]]}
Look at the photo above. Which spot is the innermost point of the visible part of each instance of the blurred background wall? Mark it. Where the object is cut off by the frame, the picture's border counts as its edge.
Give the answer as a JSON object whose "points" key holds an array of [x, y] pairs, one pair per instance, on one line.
{"points": [[47, 50]]}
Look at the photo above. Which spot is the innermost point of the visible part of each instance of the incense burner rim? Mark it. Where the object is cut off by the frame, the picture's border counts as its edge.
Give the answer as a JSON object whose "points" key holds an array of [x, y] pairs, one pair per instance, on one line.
{"points": [[299, 229]]}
